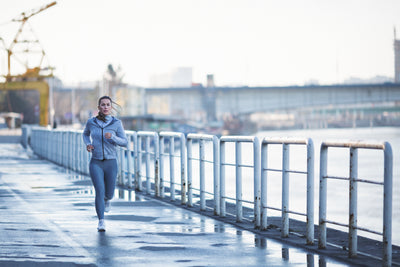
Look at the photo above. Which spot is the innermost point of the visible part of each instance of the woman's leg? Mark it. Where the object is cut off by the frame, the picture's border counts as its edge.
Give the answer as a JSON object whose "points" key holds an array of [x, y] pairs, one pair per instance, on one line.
{"points": [[110, 176], [97, 175]]}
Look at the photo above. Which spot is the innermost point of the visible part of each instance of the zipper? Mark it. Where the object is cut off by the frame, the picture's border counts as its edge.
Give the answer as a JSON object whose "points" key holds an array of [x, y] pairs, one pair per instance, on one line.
{"points": [[102, 141]]}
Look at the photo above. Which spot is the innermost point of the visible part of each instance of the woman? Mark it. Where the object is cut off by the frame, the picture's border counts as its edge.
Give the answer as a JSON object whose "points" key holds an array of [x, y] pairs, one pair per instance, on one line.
{"points": [[102, 134]]}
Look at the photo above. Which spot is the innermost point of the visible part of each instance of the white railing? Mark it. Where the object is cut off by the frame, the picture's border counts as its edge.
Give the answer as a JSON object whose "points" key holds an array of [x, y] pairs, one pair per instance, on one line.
{"points": [[286, 170], [66, 148], [353, 181]]}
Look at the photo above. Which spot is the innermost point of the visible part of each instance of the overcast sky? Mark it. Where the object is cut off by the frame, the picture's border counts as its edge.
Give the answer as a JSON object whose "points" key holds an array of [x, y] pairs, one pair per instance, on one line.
{"points": [[241, 42]]}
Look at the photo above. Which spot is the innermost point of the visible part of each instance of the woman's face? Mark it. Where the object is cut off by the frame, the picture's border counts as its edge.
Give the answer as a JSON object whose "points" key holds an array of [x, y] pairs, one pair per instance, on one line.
{"points": [[105, 106]]}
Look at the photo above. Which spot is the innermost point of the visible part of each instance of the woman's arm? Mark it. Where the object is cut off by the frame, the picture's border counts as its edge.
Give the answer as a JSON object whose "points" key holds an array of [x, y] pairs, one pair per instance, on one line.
{"points": [[120, 137], [86, 135]]}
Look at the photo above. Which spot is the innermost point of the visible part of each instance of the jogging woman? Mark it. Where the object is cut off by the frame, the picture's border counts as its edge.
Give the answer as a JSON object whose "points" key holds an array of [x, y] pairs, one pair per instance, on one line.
{"points": [[101, 136]]}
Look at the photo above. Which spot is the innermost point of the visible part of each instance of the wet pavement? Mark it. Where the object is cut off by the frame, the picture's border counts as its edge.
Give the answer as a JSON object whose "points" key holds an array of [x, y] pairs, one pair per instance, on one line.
{"points": [[48, 219]]}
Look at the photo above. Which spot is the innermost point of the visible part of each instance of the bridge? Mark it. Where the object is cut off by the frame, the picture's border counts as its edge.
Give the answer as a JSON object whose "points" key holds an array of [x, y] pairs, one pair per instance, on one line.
{"points": [[212, 103]]}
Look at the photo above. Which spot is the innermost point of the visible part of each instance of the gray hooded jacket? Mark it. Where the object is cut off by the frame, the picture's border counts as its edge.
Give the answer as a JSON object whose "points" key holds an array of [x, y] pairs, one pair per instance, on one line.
{"points": [[104, 148]]}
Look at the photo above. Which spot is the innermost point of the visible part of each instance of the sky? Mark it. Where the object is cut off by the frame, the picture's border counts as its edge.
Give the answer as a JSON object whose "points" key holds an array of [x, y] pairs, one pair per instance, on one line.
{"points": [[240, 42]]}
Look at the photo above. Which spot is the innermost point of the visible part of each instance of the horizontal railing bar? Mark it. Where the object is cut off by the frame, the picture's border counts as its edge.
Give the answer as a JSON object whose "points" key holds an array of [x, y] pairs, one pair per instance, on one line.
{"points": [[357, 227], [170, 134], [337, 223], [369, 231], [287, 141], [269, 169], [237, 138], [353, 144], [228, 164], [369, 182], [336, 177], [146, 134], [206, 137]]}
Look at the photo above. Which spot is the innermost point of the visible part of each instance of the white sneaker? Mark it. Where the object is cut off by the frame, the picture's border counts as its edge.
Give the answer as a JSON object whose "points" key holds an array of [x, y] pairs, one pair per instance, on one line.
{"points": [[107, 206], [102, 226]]}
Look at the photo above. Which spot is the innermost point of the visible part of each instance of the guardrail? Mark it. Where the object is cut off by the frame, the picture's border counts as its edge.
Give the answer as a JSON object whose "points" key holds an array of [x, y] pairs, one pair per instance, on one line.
{"points": [[353, 181], [285, 142], [170, 136], [238, 140], [202, 139], [66, 148]]}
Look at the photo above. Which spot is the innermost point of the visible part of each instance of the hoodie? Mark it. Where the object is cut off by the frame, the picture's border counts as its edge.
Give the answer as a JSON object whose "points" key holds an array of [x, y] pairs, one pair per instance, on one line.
{"points": [[104, 148]]}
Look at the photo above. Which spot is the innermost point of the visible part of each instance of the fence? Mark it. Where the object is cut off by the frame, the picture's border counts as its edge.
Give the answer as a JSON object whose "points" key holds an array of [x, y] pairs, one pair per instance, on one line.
{"points": [[66, 148], [353, 181], [285, 142]]}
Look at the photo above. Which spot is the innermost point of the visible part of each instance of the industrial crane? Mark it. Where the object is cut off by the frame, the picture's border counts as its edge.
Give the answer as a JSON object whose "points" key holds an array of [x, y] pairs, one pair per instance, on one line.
{"points": [[30, 72]]}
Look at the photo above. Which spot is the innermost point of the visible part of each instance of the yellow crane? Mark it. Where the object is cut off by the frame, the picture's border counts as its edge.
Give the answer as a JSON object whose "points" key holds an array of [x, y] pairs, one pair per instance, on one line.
{"points": [[23, 18], [31, 79]]}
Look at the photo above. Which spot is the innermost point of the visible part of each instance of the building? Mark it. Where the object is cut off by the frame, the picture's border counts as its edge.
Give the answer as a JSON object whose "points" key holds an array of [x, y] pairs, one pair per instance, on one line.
{"points": [[396, 59]]}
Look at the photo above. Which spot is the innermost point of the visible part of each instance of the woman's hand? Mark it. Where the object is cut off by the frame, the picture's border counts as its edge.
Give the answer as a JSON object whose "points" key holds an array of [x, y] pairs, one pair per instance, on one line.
{"points": [[89, 148], [107, 135]]}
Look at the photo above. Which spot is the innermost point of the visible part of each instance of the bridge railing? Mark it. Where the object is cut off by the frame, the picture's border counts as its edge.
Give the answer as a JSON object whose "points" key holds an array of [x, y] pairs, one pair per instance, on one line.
{"points": [[66, 148], [353, 193]]}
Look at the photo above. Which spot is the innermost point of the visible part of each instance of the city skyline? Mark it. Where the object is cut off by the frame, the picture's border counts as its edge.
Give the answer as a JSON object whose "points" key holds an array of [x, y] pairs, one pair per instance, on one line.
{"points": [[255, 43]]}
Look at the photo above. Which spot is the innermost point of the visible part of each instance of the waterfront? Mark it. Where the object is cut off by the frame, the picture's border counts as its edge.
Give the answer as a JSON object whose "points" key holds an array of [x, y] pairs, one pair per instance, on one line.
{"points": [[370, 167]]}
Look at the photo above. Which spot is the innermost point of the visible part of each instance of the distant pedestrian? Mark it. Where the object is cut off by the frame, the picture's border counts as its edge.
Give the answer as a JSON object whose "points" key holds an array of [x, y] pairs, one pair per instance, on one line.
{"points": [[101, 136]]}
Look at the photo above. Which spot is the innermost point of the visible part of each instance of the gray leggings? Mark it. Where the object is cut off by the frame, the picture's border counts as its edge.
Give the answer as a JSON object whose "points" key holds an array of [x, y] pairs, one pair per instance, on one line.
{"points": [[104, 175]]}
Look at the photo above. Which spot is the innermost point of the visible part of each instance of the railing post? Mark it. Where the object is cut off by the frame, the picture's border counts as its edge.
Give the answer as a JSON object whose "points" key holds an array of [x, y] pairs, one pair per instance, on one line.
{"points": [[139, 162], [257, 182], [147, 145], [183, 168], [310, 192], [264, 186], [129, 161], [285, 190], [239, 195], [156, 165], [222, 178], [135, 159], [162, 191], [387, 205], [353, 202], [202, 176], [138, 179], [172, 168], [189, 172], [217, 203], [322, 196]]}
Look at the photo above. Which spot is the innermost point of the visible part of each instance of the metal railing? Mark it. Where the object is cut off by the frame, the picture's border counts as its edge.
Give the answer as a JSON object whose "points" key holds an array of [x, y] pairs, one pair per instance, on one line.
{"points": [[170, 136], [202, 139], [66, 148], [286, 142], [238, 140], [353, 181]]}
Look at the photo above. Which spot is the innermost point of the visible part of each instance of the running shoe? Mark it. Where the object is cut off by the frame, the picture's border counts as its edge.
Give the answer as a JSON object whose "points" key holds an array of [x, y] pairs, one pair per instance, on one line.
{"points": [[102, 226]]}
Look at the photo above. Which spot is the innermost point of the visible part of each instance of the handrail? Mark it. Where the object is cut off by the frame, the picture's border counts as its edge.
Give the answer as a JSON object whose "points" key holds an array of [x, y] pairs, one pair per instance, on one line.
{"points": [[238, 140], [353, 180], [285, 142], [202, 138], [182, 144]]}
